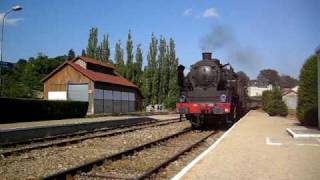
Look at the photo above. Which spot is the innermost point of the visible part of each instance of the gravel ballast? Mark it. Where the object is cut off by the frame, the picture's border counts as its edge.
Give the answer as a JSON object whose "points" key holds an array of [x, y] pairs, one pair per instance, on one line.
{"points": [[42, 162], [133, 166]]}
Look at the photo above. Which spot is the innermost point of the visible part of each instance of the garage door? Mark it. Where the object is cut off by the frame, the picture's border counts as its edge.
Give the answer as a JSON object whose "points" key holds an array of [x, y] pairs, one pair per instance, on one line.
{"points": [[78, 92]]}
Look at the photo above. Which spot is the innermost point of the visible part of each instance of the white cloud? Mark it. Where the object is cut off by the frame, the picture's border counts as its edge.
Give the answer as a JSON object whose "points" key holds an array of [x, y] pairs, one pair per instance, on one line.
{"points": [[211, 12], [187, 12], [9, 21]]}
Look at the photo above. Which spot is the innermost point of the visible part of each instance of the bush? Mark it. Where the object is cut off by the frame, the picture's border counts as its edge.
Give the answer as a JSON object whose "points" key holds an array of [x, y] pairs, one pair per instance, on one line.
{"points": [[307, 109], [266, 99], [272, 103], [22, 110]]}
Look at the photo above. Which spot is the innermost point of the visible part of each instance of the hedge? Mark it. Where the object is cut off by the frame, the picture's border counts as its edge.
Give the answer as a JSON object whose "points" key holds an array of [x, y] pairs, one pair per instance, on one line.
{"points": [[272, 103], [307, 109], [23, 110]]}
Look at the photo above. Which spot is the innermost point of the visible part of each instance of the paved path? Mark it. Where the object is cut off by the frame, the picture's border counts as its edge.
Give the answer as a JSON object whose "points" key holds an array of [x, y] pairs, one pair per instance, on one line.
{"points": [[259, 147], [78, 121]]}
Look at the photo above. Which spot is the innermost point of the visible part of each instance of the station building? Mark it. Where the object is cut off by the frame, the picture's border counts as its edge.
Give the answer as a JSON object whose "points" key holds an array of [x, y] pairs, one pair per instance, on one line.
{"points": [[87, 79]]}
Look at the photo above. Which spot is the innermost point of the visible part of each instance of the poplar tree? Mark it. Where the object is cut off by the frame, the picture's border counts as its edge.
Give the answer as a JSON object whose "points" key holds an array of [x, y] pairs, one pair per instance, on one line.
{"points": [[105, 49], [153, 70], [129, 73], [173, 76], [92, 43], [162, 71], [149, 72], [118, 57], [83, 53], [71, 54], [138, 67]]}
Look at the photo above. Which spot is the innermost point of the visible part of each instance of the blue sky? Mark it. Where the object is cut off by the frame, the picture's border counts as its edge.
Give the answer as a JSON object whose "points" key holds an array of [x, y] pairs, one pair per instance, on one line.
{"points": [[278, 34]]}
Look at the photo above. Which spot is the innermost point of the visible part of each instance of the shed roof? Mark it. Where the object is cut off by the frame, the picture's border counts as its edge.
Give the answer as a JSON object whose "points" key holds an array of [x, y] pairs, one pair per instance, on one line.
{"points": [[93, 61], [94, 76]]}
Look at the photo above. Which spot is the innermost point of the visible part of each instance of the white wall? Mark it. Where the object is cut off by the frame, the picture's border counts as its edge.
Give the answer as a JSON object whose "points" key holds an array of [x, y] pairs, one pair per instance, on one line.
{"points": [[57, 95], [257, 91]]}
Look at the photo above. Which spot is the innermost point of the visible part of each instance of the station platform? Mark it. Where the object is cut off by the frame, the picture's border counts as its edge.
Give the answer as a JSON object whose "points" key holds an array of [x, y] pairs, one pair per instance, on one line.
{"points": [[258, 147], [21, 131]]}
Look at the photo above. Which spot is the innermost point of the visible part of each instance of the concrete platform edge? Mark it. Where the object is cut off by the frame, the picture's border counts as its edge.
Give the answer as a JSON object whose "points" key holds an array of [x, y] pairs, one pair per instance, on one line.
{"points": [[203, 154], [295, 135]]}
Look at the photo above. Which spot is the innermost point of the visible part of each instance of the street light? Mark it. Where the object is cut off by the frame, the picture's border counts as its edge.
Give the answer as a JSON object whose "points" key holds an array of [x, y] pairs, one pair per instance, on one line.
{"points": [[14, 8]]}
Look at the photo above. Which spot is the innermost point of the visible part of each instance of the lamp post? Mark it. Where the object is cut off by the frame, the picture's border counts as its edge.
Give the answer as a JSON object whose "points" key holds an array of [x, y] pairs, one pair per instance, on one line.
{"points": [[14, 8]]}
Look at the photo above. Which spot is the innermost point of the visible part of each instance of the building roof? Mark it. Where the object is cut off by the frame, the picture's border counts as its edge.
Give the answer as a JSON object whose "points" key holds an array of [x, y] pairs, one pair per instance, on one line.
{"points": [[93, 61], [101, 77], [94, 76]]}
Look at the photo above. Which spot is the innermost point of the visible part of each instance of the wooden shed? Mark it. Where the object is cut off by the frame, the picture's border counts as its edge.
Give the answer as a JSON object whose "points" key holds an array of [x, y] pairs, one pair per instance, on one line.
{"points": [[87, 79]]}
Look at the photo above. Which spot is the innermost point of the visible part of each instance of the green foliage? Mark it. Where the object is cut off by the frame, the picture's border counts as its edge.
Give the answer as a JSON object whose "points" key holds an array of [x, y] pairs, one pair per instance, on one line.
{"points": [[160, 75], [118, 57], [269, 76], [92, 48], [288, 81], [129, 69], [266, 99], [24, 79], [21, 110], [83, 52], [307, 111], [138, 73], [71, 54], [272, 103]]}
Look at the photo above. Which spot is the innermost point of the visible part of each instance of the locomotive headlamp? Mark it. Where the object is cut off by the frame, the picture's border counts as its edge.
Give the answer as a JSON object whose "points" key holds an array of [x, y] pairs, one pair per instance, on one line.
{"points": [[223, 98]]}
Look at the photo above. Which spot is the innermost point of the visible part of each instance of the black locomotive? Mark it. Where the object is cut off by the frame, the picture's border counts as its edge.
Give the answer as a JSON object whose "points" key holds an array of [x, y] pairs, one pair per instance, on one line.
{"points": [[211, 92]]}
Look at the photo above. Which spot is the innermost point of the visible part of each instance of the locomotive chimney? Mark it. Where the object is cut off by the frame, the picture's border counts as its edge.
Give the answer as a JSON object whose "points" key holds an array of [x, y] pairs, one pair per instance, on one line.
{"points": [[206, 55]]}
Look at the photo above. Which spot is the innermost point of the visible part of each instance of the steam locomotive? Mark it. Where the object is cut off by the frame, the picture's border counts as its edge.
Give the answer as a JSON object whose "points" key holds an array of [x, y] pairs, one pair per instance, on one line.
{"points": [[210, 93]]}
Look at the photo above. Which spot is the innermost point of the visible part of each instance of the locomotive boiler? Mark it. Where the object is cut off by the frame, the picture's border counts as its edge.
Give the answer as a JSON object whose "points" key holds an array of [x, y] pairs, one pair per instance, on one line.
{"points": [[210, 93]]}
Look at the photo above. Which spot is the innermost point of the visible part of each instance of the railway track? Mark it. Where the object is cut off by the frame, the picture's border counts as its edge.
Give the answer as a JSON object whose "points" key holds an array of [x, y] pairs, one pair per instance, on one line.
{"points": [[139, 162], [61, 140]]}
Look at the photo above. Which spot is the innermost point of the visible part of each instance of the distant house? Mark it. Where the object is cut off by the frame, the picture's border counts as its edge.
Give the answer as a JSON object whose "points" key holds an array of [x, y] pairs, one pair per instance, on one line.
{"points": [[256, 88], [290, 97], [87, 79]]}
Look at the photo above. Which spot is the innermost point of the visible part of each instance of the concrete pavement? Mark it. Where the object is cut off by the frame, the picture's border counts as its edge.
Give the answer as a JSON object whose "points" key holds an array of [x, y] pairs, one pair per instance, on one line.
{"points": [[258, 147]]}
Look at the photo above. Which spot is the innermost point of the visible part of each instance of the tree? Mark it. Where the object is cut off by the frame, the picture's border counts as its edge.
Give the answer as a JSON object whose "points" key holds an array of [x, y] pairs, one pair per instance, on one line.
{"points": [[149, 72], [24, 79], [159, 76], [307, 109], [288, 81], [129, 73], [92, 43], [118, 57], [173, 76], [71, 54], [138, 67], [105, 49], [268, 76], [83, 52], [272, 103]]}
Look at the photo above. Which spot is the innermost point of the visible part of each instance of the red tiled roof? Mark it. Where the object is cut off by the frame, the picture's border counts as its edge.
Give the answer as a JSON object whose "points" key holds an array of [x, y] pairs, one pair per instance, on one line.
{"points": [[93, 61], [101, 77]]}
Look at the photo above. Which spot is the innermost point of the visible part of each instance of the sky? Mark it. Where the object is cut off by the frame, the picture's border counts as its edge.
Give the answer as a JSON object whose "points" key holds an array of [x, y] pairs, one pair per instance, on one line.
{"points": [[251, 35]]}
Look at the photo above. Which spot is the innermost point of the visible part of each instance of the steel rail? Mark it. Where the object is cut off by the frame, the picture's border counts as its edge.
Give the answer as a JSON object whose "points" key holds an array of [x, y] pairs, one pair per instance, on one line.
{"points": [[78, 139], [83, 132], [88, 166], [156, 169]]}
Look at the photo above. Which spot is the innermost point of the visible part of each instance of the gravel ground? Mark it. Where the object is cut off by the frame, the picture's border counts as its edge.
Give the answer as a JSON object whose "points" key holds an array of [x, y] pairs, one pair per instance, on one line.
{"points": [[77, 137], [175, 167], [41, 162], [135, 165]]}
